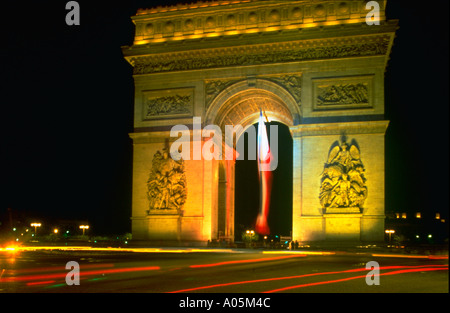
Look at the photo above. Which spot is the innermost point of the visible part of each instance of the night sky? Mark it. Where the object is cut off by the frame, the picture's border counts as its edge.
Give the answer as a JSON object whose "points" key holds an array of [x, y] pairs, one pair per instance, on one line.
{"points": [[67, 100]]}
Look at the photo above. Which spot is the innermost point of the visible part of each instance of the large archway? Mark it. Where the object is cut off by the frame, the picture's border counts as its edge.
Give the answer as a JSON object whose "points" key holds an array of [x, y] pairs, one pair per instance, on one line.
{"points": [[247, 193], [222, 64], [241, 104]]}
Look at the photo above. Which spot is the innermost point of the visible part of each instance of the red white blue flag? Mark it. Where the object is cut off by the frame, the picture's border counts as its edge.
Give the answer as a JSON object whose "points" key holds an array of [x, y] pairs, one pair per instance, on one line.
{"points": [[265, 178]]}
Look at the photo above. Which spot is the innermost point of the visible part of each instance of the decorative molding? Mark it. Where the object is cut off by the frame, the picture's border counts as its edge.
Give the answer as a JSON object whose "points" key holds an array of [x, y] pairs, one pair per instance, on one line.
{"points": [[222, 18], [214, 87], [321, 129], [292, 83], [305, 50], [149, 137]]}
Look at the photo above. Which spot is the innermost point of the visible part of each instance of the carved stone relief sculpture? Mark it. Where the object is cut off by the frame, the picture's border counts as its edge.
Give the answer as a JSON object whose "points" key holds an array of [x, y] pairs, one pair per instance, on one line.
{"points": [[343, 184], [214, 87], [161, 104], [176, 104], [167, 183], [343, 94], [291, 83]]}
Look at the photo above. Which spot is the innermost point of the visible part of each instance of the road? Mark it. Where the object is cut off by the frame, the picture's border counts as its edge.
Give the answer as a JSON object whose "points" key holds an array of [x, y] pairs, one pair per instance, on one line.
{"points": [[218, 271]]}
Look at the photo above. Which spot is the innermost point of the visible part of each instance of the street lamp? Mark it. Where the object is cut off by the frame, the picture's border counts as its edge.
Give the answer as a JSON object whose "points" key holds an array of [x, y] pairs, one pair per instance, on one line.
{"points": [[389, 232], [84, 227], [250, 234], [35, 225]]}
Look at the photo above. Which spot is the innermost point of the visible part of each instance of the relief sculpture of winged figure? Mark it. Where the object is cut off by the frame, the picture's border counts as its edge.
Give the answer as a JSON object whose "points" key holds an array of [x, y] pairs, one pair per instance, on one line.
{"points": [[167, 183], [343, 184]]}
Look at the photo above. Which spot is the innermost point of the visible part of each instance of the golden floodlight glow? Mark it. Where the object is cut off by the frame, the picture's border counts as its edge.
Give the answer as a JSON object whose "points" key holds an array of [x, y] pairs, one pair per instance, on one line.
{"points": [[252, 30], [232, 32], [210, 35], [355, 20], [142, 42], [35, 225], [84, 227]]}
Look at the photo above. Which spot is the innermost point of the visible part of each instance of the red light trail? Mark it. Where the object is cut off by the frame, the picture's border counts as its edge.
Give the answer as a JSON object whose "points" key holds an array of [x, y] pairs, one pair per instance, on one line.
{"points": [[423, 269], [60, 268], [400, 270], [61, 275], [246, 261], [46, 282]]}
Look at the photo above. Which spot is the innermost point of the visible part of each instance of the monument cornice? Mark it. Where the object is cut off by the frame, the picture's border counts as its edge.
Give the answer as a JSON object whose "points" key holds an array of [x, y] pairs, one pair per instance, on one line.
{"points": [[261, 54], [225, 17], [257, 36], [149, 137], [347, 128]]}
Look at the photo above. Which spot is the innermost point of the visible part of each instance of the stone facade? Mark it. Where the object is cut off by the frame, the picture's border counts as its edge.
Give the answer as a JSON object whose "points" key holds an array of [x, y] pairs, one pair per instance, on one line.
{"points": [[315, 66]]}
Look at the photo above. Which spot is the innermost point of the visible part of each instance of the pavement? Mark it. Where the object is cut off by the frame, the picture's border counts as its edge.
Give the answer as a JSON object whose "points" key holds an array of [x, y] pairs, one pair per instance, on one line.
{"points": [[43, 269]]}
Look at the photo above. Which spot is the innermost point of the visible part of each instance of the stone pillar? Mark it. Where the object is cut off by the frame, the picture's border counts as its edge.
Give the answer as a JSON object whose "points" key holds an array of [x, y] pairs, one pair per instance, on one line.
{"points": [[307, 219], [195, 220], [312, 144], [226, 200]]}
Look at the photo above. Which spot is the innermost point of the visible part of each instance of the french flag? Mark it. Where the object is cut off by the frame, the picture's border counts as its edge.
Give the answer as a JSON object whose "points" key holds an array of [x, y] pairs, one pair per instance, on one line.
{"points": [[265, 178]]}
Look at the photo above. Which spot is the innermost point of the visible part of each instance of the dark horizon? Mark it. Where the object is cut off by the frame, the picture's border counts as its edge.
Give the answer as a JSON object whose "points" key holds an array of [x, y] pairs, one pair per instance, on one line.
{"points": [[68, 97]]}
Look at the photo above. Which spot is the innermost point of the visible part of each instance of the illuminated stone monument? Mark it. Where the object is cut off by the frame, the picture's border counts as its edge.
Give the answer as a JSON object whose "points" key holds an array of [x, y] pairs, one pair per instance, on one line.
{"points": [[315, 66]]}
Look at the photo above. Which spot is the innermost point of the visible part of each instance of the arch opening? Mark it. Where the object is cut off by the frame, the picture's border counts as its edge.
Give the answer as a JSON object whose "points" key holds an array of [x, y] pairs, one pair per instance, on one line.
{"points": [[238, 200], [240, 104], [247, 193]]}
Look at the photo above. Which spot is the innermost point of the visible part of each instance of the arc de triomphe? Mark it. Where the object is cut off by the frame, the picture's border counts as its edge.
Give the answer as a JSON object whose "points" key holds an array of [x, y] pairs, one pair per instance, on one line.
{"points": [[316, 66]]}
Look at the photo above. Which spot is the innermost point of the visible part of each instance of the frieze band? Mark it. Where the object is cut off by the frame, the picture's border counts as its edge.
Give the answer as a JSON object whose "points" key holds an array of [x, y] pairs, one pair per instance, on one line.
{"points": [[292, 52]]}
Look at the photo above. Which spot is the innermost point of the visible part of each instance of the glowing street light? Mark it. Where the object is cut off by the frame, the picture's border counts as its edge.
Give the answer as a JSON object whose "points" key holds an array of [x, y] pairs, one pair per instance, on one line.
{"points": [[389, 232], [84, 227], [35, 225]]}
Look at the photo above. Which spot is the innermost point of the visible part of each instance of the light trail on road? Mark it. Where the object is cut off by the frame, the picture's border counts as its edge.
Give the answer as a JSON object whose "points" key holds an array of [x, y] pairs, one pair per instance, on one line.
{"points": [[247, 261], [405, 269], [61, 275], [423, 269], [186, 270]]}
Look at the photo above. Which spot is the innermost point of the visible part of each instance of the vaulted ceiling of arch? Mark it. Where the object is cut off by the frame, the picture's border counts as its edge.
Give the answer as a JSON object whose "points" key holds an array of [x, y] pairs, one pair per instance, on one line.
{"points": [[242, 109]]}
